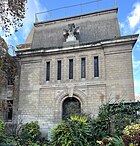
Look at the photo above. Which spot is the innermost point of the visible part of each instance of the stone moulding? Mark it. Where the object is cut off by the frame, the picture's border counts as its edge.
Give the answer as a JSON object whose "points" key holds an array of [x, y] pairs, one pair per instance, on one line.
{"points": [[23, 51], [24, 46]]}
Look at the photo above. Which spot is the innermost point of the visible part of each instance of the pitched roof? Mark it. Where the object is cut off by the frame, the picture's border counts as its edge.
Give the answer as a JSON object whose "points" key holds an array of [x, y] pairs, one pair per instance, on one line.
{"points": [[93, 27]]}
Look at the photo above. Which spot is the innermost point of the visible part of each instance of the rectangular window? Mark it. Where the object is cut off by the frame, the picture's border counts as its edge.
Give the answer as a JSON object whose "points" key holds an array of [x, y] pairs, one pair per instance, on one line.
{"points": [[96, 66], [83, 67], [59, 70], [10, 81], [9, 109], [70, 68], [47, 71]]}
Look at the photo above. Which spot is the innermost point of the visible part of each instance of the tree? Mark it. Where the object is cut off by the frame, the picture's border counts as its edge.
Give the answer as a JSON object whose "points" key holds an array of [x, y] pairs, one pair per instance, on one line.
{"points": [[3, 55], [8, 71], [12, 12]]}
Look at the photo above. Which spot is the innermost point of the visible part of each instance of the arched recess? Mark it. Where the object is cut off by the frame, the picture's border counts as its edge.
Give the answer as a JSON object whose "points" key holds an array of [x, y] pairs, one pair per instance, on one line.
{"points": [[78, 94], [70, 106]]}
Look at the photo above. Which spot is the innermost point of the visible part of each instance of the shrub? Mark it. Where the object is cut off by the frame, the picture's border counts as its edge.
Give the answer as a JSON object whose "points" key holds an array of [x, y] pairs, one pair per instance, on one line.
{"points": [[29, 133], [131, 135], [131, 130], [110, 116], [4, 139], [74, 131]]}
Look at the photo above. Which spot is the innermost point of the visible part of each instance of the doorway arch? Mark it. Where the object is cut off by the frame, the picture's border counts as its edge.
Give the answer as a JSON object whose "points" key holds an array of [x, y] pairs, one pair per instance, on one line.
{"points": [[70, 106]]}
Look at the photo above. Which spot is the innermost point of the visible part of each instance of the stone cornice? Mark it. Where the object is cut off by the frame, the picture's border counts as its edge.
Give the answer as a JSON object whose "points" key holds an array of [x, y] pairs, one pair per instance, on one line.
{"points": [[123, 40]]}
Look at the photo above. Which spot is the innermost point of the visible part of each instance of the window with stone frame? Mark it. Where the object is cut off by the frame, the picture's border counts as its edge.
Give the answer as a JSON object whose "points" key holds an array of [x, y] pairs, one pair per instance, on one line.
{"points": [[48, 71], [83, 67], [96, 66], [70, 68], [59, 70]]}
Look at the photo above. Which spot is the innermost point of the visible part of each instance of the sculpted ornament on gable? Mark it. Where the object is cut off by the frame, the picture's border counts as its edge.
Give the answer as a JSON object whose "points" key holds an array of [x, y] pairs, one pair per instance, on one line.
{"points": [[71, 33]]}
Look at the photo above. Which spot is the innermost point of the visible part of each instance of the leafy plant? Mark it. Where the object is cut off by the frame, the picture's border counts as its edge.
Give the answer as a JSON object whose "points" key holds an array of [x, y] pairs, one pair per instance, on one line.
{"points": [[117, 141], [110, 116], [29, 133], [4, 139], [74, 131], [131, 130], [111, 141], [131, 135], [1, 127]]}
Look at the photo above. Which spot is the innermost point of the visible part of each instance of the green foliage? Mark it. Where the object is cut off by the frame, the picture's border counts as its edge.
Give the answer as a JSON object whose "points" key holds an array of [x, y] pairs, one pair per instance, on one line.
{"points": [[110, 117], [4, 139], [75, 131], [29, 133], [131, 130], [117, 141], [111, 141], [102, 122], [110, 121], [1, 127], [131, 135]]}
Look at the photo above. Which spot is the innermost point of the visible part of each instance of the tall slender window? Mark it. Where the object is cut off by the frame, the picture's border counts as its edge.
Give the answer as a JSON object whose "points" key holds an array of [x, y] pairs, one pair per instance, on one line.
{"points": [[47, 71], [9, 109], [70, 68], [59, 70], [96, 66], [83, 67]]}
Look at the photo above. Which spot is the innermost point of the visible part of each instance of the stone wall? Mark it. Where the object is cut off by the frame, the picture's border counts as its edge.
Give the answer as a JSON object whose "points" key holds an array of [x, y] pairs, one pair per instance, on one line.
{"points": [[42, 101]]}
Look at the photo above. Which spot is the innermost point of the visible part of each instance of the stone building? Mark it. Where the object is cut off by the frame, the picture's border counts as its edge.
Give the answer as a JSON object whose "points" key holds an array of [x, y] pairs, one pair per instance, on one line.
{"points": [[81, 60]]}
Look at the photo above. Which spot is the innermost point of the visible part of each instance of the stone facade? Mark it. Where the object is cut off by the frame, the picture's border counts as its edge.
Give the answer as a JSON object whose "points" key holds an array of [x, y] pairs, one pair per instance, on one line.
{"points": [[99, 36]]}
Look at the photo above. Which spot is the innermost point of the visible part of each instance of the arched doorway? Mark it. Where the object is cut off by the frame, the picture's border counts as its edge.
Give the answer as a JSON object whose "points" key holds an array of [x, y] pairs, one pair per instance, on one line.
{"points": [[70, 106]]}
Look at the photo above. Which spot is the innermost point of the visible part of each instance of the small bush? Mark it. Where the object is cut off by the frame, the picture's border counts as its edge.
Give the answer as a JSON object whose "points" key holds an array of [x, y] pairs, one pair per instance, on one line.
{"points": [[74, 131], [131, 135], [131, 130], [29, 133], [4, 139]]}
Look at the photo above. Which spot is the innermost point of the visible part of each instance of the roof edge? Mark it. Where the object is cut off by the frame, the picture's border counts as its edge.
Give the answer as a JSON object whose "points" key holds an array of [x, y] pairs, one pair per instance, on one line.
{"points": [[108, 42]]}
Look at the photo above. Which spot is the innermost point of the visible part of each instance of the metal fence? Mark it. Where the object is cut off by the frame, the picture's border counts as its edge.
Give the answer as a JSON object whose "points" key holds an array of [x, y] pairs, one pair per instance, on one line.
{"points": [[76, 9]]}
